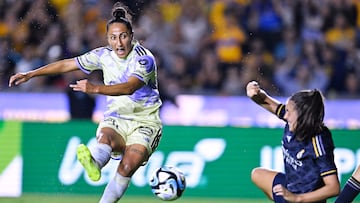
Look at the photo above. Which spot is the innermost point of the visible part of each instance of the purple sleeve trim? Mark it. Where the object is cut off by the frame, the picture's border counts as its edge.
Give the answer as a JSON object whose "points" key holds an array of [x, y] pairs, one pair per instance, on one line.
{"points": [[81, 67]]}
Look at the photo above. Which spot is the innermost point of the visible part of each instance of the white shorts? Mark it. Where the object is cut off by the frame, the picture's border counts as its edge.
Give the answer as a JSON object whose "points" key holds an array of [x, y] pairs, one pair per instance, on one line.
{"points": [[134, 132]]}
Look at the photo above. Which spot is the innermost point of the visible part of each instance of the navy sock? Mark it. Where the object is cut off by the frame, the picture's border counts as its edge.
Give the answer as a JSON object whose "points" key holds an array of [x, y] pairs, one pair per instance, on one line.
{"points": [[349, 192], [279, 179]]}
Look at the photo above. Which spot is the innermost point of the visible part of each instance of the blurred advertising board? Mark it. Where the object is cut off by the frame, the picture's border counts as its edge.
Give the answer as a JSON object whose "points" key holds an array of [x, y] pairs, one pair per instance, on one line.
{"points": [[194, 110], [211, 157], [190, 110], [10, 158]]}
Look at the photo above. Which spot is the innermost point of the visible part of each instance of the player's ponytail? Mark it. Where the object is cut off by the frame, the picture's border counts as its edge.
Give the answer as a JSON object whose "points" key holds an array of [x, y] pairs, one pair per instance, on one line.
{"points": [[310, 108], [120, 14]]}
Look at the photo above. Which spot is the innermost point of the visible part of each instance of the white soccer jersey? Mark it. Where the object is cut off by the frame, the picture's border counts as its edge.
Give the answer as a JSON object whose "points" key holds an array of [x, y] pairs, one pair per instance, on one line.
{"points": [[143, 104]]}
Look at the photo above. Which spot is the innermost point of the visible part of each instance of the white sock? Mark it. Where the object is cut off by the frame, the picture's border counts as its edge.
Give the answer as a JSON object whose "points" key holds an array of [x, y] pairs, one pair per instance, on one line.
{"points": [[115, 189], [101, 154]]}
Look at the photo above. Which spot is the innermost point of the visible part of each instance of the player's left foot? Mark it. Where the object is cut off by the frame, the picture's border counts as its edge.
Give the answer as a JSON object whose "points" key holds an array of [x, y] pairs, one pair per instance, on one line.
{"points": [[86, 160]]}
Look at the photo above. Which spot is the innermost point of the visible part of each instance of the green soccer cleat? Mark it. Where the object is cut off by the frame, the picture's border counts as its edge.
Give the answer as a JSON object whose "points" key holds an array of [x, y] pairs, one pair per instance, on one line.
{"points": [[86, 160]]}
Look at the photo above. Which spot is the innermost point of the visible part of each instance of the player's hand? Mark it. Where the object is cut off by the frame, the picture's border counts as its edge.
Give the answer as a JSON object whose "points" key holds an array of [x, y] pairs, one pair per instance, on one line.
{"points": [[252, 89], [84, 86], [19, 78], [282, 191]]}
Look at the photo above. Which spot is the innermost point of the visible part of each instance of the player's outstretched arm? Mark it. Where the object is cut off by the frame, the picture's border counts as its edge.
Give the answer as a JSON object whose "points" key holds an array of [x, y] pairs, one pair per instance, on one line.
{"points": [[260, 97], [126, 88], [58, 67]]}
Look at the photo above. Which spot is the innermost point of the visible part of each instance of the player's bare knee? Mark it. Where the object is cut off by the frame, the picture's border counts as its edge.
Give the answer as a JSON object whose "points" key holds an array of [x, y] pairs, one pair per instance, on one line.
{"points": [[127, 167], [100, 137], [105, 138], [255, 174]]}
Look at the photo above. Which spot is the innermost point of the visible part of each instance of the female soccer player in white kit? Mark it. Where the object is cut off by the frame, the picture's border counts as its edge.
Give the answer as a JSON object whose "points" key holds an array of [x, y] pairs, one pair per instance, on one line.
{"points": [[131, 124]]}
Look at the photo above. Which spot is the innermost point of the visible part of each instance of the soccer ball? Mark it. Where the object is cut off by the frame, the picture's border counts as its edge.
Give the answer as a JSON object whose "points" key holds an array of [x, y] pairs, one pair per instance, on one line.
{"points": [[167, 183]]}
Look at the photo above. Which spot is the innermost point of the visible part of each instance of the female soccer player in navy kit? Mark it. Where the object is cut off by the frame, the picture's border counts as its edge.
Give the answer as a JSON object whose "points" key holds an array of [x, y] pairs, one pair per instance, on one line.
{"points": [[310, 171], [131, 124]]}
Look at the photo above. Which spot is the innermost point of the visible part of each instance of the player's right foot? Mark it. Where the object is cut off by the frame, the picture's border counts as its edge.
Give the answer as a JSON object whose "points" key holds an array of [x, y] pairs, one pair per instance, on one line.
{"points": [[86, 160]]}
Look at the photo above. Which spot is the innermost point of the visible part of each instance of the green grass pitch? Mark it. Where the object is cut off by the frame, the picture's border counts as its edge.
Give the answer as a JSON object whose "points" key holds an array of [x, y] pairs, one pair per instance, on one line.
{"points": [[61, 198], [42, 198]]}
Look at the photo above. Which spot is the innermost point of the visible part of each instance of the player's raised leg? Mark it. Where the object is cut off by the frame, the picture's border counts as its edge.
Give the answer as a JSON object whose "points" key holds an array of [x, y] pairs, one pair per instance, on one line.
{"points": [[91, 167], [265, 179], [95, 159]]}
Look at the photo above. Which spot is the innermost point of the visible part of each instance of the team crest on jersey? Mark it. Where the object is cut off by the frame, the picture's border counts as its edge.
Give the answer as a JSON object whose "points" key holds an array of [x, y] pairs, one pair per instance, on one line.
{"points": [[143, 62], [300, 154], [147, 63]]}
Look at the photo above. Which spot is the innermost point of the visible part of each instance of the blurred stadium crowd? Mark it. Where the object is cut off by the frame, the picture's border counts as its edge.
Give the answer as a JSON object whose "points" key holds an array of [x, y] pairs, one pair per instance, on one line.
{"points": [[209, 47]]}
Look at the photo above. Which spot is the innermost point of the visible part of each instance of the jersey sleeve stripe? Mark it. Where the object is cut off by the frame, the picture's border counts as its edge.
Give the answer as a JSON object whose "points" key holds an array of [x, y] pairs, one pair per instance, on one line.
{"points": [[279, 109], [315, 147], [328, 172], [321, 145], [79, 64], [138, 76], [140, 51], [318, 146]]}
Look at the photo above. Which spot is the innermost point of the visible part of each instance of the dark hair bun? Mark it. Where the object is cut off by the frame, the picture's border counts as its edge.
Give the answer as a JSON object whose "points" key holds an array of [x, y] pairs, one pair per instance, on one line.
{"points": [[119, 13]]}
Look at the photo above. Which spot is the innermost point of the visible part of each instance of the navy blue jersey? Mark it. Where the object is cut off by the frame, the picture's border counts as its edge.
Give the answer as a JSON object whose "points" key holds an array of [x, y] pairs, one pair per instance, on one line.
{"points": [[306, 162]]}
